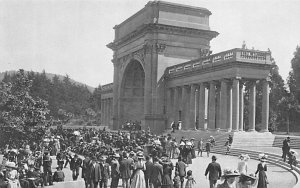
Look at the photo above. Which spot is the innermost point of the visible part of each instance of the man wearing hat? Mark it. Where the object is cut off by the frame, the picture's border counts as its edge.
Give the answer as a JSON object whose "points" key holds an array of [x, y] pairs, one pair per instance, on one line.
{"points": [[86, 170], [285, 147], [181, 168], [95, 173], [125, 170], [47, 163], [214, 170], [115, 171], [74, 166], [105, 172]]}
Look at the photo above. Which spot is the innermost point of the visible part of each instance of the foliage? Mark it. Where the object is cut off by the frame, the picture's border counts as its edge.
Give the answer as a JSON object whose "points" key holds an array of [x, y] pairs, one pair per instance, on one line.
{"points": [[20, 111], [66, 99]]}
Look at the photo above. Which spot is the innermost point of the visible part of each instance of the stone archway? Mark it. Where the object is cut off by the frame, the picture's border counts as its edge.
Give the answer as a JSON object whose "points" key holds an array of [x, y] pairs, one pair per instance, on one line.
{"points": [[132, 92]]}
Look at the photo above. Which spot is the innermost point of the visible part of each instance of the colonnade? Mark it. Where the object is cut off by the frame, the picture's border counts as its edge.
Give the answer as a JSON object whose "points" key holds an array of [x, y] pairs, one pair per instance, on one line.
{"points": [[217, 104], [106, 111]]}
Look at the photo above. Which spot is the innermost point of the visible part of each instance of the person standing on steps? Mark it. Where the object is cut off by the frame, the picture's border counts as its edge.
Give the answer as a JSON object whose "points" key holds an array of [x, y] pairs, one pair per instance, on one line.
{"points": [[286, 147], [215, 172]]}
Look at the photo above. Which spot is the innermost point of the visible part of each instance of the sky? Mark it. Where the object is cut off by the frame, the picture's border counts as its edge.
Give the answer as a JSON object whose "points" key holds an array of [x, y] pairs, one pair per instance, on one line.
{"points": [[69, 37]]}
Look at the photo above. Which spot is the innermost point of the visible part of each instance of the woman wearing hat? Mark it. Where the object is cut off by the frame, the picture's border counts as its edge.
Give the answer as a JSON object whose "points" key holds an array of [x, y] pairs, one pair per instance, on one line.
{"points": [[229, 177], [261, 170], [247, 181], [138, 180], [242, 165]]}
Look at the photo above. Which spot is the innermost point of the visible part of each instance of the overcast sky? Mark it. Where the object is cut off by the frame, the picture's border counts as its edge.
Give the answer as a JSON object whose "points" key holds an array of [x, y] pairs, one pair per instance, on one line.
{"points": [[70, 36]]}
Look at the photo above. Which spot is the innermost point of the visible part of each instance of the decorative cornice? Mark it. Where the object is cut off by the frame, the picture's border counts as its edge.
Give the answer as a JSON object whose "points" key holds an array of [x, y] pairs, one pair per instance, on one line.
{"points": [[151, 28]]}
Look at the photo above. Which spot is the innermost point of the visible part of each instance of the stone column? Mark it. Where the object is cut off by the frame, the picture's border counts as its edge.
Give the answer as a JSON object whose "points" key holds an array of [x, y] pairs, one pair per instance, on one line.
{"points": [[235, 104], [185, 107], [229, 108], [106, 112], [116, 122], [148, 88], [176, 105], [218, 105], [197, 107], [201, 115], [212, 106], [223, 105], [169, 107], [102, 112], [192, 107], [252, 106], [241, 128], [265, 106]]}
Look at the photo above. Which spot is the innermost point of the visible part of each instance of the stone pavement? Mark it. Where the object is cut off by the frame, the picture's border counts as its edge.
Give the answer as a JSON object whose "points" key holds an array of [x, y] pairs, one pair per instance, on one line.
{"points": [[278, 177]]}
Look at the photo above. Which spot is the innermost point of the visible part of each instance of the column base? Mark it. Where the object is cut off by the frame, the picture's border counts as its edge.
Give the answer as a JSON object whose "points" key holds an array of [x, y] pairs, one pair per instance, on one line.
{"points": [[251, 130], [264, 131]]}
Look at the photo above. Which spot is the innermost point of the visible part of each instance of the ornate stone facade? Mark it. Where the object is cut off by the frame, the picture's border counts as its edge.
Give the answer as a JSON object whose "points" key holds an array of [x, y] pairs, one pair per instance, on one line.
{"points": [[164, 71]]}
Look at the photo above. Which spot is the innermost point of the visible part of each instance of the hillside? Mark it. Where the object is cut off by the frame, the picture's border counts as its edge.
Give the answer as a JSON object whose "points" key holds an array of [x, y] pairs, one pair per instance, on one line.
{"points": [[50, 76]]}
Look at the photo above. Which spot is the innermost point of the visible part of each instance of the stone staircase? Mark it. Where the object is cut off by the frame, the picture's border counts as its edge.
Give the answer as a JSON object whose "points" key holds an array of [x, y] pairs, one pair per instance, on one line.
{"points": [[248, 143]]}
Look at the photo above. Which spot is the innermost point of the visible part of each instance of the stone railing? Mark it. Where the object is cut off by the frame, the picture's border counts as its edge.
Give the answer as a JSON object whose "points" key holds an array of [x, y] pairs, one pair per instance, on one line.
{"points": [[107, 87], [234, 55]]}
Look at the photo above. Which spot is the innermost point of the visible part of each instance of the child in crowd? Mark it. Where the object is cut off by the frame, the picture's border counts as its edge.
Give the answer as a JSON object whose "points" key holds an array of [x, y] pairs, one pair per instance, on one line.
{"points": [[190, 180], [176, 180]]}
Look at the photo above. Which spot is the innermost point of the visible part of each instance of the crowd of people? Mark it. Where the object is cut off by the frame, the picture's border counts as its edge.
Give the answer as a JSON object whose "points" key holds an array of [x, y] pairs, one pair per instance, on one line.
{"points": [[139, 159]]}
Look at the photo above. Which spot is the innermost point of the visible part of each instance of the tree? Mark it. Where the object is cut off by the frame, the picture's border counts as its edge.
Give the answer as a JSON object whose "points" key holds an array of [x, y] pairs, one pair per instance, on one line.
{"points": [[19, 111], [296, 70]]}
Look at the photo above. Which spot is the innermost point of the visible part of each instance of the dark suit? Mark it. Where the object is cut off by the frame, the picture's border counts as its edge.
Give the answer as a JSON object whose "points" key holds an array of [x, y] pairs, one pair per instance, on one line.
{"points": [[214, 170], [74, 166], [125, 171], [86, 164], [156, 175], [148, 165], [181, 168], [95, 175]]}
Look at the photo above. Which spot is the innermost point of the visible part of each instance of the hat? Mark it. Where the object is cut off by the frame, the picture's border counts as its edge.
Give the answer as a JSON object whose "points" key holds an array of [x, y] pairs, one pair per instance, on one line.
{"points": [[245, 157], [262, 157], [103, 157], [293, 152], [140, 155], [10, 165], [245, 177], [228, 173], [116, 155], [188, 143], [192, 138], [182, 144]]}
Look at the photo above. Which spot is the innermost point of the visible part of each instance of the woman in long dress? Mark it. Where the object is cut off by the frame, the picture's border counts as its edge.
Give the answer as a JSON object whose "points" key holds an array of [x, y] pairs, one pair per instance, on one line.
{"points": [[261, 170], [138, 180]]}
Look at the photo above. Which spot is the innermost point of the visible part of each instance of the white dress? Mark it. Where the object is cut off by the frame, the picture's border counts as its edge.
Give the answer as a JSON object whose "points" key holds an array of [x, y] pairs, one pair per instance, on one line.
{"points": [[242, 167]]}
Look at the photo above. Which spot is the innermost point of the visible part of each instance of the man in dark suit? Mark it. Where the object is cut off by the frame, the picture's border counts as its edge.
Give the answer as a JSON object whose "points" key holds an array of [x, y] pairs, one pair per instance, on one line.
{"points": [[181, 169], [95, 173], [156, 174], [86, 163], [125, 170], [214, 170], [47, 163], [74, 166], [285, 147], [105, 172], [149, 165]]}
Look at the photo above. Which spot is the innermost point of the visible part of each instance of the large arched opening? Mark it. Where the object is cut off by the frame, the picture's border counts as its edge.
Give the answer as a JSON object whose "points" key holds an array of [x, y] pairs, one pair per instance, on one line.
{"points": [[132, 93]]}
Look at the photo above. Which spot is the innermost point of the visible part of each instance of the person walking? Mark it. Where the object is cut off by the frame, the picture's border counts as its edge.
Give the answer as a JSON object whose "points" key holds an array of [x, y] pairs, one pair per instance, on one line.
{"points": [[74, 166], [261, 170], [105, 172], [138, 180], [200, 147], [125, 170], [85, 174], [95, 173], [149, 165], [47, 163], [156, 174], [285, 148], [115, 171], [214, 170], [181, 168]]}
